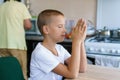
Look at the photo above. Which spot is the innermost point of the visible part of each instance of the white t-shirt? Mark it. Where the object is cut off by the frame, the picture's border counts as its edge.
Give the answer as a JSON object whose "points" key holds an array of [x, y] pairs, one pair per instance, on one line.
{"points": [[44, 61]]}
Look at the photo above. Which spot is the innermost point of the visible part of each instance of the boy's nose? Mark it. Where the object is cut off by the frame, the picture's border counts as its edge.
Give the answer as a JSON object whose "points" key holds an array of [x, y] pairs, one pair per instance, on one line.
{"points": [[65, 30]]}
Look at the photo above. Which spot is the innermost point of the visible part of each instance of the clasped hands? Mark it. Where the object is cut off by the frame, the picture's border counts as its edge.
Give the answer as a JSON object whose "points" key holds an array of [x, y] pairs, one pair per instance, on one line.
{"points": [[79, 31]]}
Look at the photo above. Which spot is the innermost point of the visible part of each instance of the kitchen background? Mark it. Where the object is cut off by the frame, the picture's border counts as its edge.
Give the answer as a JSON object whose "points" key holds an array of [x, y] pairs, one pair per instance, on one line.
{"points": [[103, 20], [103, 41], [100, 12], [103, 34]]}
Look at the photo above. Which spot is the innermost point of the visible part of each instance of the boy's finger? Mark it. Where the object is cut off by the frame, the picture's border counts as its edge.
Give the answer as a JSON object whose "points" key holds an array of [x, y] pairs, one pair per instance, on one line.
{"points": [[84, 28], [83, 24], [79, 22]]}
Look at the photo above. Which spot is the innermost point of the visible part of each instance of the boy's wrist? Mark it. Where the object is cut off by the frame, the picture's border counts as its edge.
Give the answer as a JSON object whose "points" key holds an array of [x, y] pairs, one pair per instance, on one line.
{"points": [[77, 41]]}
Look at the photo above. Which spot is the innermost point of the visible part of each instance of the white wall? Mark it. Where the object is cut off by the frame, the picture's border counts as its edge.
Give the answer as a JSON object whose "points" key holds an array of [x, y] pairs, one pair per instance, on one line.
{"points": [[108, 14], [73, 9]]}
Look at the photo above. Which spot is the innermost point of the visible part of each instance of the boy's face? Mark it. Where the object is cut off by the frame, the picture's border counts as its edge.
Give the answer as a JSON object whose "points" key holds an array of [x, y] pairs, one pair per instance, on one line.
{"points": [[56, 29]]}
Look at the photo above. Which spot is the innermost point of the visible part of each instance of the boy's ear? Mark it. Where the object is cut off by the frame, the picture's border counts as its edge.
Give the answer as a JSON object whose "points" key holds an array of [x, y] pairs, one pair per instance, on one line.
{"points": [[45, 29]]}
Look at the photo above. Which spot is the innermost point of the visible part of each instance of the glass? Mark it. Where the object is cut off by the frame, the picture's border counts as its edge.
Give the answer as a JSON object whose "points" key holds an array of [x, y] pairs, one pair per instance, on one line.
{"points": [[69, 24]]}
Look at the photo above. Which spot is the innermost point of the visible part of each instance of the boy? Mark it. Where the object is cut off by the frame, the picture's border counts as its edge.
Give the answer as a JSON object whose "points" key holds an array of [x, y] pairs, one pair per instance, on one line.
{"points": [[48, 58]]}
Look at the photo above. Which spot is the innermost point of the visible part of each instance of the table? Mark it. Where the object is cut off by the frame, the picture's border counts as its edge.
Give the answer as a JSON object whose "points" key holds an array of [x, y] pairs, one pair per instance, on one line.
{"points": [[95, 72]]}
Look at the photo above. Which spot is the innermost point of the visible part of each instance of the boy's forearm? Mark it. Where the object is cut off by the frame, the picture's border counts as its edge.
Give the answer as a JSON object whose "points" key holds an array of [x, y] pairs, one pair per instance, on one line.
{"points": [[75, 58], [83, 59], [78, 35]]}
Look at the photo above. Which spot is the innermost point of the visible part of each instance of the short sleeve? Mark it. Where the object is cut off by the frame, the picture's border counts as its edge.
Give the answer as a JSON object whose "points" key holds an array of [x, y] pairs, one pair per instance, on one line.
{"points": [[65, 53], [26, 14], [45, 61]]}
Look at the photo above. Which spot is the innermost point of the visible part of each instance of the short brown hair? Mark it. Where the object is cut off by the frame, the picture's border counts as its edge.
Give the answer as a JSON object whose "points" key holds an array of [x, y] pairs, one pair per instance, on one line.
{"points": [[45, 17], [14, 0]]}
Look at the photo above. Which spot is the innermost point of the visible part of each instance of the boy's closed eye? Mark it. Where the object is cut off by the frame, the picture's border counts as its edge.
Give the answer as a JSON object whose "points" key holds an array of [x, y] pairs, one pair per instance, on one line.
{"points": [[60, 26]]}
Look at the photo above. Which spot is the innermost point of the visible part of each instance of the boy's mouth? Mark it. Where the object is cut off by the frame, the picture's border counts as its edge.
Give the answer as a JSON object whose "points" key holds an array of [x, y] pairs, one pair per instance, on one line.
{"points": [[63, 35]]}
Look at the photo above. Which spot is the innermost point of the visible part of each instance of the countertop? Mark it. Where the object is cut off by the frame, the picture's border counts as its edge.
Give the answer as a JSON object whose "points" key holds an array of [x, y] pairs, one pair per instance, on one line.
{"points": [[40, 38], [99, 73]]}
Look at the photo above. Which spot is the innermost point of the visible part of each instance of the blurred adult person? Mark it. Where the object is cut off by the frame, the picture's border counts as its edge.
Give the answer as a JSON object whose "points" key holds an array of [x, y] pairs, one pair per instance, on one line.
{"points": [[14, 18]]}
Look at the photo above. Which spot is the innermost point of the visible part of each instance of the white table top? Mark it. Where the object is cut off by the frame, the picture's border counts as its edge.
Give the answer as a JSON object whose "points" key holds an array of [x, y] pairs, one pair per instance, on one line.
{"points": [[99, 73]]}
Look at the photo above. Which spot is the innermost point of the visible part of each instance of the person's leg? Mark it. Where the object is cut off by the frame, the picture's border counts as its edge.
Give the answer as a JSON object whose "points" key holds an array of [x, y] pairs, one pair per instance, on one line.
{"points": [[21, 55]]}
